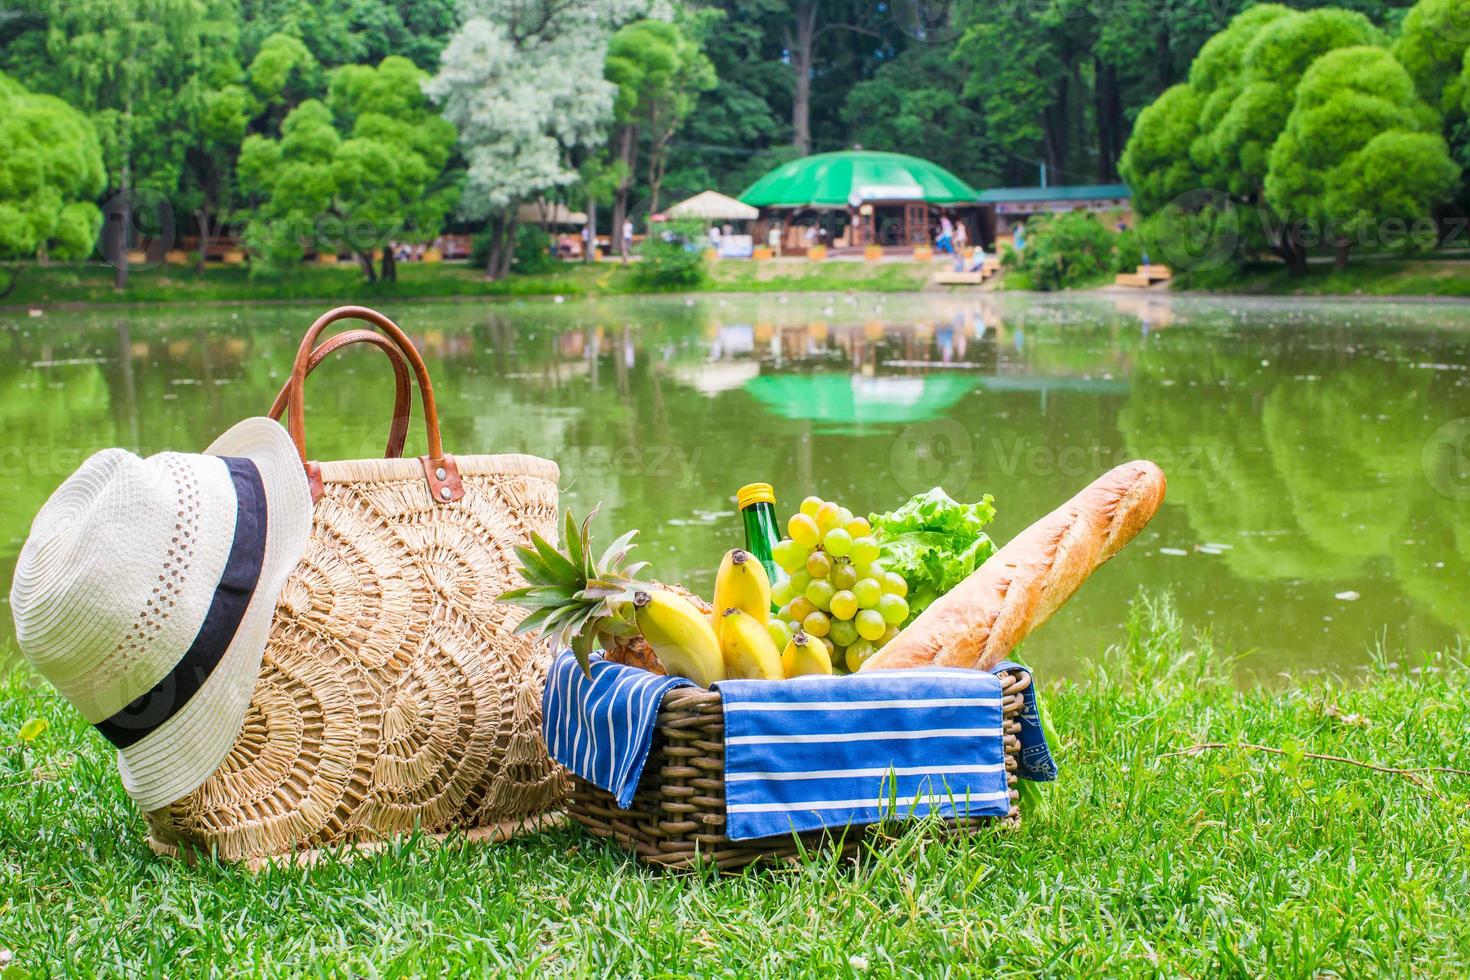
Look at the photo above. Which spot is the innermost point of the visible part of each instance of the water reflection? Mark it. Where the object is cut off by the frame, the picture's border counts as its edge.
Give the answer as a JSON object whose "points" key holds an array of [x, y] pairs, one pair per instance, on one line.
{"points": [[1294, 435]]}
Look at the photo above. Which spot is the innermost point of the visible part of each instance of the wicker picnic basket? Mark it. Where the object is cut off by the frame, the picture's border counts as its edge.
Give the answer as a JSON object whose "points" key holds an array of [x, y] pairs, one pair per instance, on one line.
{"points": [[393, 695], [677, 819]]}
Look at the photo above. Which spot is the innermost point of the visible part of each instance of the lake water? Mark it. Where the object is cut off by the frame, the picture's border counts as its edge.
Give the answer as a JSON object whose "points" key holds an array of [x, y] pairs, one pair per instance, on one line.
{"points": [[1318, 453]]}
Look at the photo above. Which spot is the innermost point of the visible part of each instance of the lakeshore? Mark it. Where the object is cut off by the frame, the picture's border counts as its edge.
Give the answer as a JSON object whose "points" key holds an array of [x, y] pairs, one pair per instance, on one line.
{"points": [[82, 286]]}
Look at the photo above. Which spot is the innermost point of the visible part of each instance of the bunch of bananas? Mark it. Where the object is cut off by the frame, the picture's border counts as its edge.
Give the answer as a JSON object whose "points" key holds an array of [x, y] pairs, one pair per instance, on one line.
{"points": [[735, 640]]}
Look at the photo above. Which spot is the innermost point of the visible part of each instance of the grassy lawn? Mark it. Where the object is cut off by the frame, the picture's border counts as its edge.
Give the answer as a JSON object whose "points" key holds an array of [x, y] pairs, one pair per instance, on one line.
{"points": [[1365, 277], [1223, 863], [38, 286]]}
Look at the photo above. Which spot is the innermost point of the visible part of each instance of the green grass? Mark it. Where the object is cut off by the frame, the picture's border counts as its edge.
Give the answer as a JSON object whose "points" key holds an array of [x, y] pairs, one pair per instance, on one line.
{"points": [[89, 284], [1364, 276], [1225, 863]]}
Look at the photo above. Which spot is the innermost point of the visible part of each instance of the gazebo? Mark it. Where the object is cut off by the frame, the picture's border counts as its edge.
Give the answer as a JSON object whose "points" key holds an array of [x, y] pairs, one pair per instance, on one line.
{"points": [[863, 197]]}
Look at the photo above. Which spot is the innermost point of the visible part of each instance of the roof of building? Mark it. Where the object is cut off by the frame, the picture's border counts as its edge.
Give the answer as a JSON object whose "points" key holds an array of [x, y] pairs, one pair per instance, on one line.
{"points": [[1066, 192], [851, 177], [713, 206]]}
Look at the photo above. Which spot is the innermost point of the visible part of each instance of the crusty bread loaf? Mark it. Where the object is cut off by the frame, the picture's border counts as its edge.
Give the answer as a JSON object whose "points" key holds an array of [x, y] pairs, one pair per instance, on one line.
{"points": [[980, 620]]}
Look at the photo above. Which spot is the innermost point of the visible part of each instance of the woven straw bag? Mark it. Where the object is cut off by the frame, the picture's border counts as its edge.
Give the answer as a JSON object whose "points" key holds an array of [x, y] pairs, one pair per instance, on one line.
{"points": [[393, 695]]}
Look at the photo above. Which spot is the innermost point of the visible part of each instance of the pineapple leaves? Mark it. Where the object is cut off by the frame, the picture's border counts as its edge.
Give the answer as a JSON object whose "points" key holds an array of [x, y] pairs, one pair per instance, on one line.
{"points": [[589, 569], [618, 550], [533, 569], [575, 600], [535, 620], [582, 645], [561, 569], [575, 541]]}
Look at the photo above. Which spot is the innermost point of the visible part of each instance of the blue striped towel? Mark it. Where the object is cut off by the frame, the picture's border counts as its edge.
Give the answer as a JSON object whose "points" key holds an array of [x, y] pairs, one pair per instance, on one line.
{"points": [[818, 752], [811, 752], [601, 727]]}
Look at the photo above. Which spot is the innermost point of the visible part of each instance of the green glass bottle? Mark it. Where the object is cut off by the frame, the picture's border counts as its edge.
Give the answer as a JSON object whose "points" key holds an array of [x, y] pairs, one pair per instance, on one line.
{"points": [[757, 503]]}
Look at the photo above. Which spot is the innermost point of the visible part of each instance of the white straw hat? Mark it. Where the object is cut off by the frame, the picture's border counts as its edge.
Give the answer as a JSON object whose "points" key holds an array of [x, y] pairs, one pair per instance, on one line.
{"points": [[145, 594]]}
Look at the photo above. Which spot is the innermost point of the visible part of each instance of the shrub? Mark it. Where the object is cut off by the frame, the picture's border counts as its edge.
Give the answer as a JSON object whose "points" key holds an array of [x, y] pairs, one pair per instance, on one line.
{"points": [[533, 251], [672, 258], [1066, 250], [480, 249]]}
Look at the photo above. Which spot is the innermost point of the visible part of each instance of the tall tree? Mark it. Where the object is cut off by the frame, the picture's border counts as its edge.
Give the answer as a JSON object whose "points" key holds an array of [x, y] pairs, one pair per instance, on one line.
{"points": [[50, 171], [138, 68], [508, 82], [659, 71], [347, 32], [1023, 66], [364, 169], [1360, 152], [1434, 47], [741, 127], [1240, 93], [917, 104], [806, 24]]}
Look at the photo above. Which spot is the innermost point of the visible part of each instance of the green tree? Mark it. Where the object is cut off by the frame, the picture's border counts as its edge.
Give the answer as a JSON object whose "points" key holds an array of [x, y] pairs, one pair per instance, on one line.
{"points": [[365, 168], [1156, 163], [50, 171], [1360, 151], [347, 32], [1434, 47], [917, 104], [515, 81], [140, 69], [659, 71], [1237, 144], [1240, 93], [741, 127]]}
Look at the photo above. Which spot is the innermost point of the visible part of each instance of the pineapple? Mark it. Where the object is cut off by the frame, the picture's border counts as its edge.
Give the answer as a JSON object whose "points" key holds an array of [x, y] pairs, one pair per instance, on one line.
{"points": [[581, 603]]}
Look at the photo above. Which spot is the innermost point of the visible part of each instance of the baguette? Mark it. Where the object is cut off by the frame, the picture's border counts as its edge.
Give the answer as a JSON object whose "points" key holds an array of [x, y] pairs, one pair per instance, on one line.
{"points": [[980, 620]]}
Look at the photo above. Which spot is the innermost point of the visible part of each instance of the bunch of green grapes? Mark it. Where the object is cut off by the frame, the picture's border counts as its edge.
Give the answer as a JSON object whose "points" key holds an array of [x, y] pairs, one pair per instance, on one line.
{"points": [[838, 589]]}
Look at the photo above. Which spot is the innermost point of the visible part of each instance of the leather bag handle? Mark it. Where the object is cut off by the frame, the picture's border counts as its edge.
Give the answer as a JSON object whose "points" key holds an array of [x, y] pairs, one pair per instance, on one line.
{"points": [[440, 471], [402, 385]]}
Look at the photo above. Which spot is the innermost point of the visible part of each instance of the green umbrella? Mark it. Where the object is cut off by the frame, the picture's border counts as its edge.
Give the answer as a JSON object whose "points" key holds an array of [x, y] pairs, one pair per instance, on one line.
{"points": [[839, 180]]}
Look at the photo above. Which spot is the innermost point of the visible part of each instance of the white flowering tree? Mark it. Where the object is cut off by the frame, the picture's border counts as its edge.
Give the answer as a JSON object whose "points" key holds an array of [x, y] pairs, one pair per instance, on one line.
{"points": [[522, 81]]}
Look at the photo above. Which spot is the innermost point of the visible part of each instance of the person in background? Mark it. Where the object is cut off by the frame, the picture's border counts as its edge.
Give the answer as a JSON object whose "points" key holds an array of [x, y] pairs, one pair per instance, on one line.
{"points": [[961, 242], [773, 239], [977, 259], [945, 241], [714, 238], [627, 237]]}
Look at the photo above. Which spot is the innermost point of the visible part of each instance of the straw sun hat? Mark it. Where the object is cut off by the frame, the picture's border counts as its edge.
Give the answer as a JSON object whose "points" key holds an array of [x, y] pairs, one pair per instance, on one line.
{"points": [[145, 594]]}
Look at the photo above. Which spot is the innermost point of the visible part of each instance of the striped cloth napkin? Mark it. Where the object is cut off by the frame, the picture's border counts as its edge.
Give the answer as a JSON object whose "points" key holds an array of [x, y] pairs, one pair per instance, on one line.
{"points": [[601, 727], [812, 752], [818, 752]]}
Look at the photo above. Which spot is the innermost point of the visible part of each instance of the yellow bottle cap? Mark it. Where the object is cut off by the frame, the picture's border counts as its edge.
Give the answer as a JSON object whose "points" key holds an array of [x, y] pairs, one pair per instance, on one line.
{"points": [[755, 493]]}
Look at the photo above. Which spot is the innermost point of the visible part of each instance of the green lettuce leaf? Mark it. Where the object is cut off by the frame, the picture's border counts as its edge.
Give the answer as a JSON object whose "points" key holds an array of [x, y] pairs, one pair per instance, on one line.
{"points": [[934, 542]]}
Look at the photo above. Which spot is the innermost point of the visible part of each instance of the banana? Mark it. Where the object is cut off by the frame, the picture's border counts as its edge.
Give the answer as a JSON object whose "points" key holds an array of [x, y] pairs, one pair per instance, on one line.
{"points": [[747, 648], [742, 583], [680, 635], [803, 656]]}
